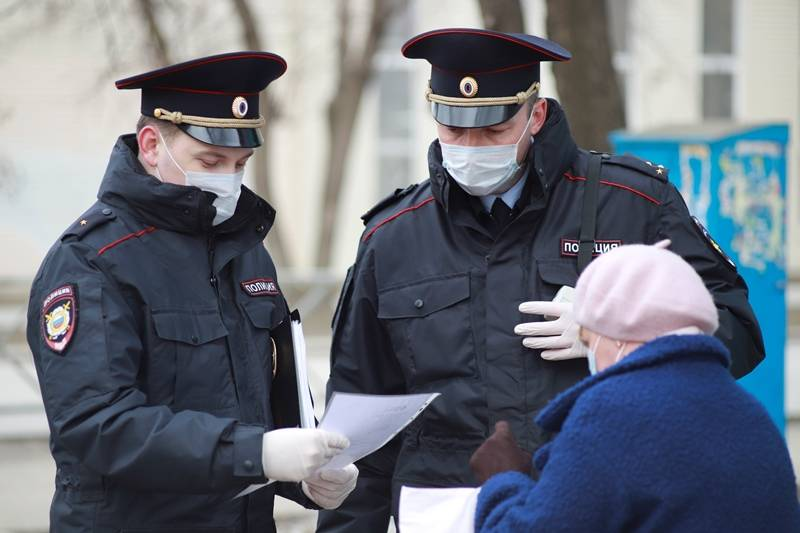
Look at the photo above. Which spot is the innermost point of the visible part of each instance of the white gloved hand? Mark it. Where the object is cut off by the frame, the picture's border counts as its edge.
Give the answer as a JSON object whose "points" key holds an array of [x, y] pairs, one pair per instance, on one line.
{"points": [[329, 488], [293, 454], [558, 338]]}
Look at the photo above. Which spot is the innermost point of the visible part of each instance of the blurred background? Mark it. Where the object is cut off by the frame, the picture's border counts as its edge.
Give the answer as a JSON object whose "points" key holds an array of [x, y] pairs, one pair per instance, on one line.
{"points": [[709, 88]]}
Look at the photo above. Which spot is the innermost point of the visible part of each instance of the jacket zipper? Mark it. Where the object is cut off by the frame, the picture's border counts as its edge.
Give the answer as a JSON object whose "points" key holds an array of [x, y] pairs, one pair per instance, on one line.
{"points": [[215, 283]]}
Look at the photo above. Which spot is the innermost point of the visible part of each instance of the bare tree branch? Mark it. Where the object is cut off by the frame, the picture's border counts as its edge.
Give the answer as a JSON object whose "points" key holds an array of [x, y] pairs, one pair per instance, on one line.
{"points": [[158, 43], [342, 113], [263, 184], [503, 15]]}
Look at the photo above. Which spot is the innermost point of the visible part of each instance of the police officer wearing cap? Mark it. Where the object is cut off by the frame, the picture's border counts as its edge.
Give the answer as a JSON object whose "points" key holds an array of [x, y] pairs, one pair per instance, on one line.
{"points": [[452, 271], [150, 324]]}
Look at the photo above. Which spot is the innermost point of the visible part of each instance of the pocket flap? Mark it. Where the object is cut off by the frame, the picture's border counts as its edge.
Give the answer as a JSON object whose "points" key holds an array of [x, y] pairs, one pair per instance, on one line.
{"points": [[264, 313], [192, 326], [558, 271], [424, 297]]}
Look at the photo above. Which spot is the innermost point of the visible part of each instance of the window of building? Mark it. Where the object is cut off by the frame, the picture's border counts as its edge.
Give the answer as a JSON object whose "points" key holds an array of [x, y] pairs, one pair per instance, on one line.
{"points": [[718, 76]]}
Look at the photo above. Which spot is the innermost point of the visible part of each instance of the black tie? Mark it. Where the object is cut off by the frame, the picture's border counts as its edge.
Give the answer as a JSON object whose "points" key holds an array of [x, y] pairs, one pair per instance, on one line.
{"points": [[501, 213]]}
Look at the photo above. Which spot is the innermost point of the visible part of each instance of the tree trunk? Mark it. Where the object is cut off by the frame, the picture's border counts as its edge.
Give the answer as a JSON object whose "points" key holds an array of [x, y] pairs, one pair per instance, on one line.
{"points": [[503, 15], [587, 85], [354, 71], [263, 184]]}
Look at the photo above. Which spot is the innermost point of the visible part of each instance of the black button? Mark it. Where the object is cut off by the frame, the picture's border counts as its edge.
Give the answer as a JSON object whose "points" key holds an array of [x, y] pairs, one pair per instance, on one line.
{"points": [[259, 228], [194, 339], [186, 212], [488, 258], [418, 304], [248, 465], [106, 211], [190, 196]]}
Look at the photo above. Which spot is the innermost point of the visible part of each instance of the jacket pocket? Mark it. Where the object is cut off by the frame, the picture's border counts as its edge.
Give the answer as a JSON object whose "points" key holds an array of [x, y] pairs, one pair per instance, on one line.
{"points": [[264, 316], [430, 324], [554, 274], [203, 379]]}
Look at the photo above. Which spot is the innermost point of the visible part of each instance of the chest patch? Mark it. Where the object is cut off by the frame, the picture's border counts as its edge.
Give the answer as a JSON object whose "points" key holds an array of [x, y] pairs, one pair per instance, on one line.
{"points": [[260, 287], [59, 318], [570, 247]]}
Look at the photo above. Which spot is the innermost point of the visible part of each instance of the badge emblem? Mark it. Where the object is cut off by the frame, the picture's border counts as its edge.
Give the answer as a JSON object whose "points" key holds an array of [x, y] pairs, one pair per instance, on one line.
{"points": [[570, 247], [260, 287], [239, 107], [468, 86], [59, 318]]}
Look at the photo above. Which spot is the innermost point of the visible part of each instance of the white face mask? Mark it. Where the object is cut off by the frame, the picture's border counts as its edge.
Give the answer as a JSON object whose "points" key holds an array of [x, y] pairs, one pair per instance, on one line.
{"points": [[227, 187], [591, 354], [483, 170]]}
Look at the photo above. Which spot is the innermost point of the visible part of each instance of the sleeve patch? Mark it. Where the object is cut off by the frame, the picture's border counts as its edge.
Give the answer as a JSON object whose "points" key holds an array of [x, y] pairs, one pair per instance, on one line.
{"points": [[60, 317], [712, 243]]}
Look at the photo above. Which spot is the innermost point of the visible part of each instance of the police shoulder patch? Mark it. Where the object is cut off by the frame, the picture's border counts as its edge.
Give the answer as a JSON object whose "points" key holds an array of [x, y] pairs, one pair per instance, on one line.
{"points": [[60, 317], [712, 243], [386, 202], [648, 168]]}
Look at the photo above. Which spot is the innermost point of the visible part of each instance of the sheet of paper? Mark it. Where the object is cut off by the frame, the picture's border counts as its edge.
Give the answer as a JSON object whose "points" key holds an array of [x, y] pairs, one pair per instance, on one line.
{"points": [[438, 510], [300, 363], [369, 421], [252, 488]]}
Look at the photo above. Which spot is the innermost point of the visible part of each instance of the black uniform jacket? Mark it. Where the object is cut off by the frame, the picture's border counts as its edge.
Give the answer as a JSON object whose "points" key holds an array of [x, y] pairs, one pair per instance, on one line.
{"points": [[432, 300], [150, 330]]}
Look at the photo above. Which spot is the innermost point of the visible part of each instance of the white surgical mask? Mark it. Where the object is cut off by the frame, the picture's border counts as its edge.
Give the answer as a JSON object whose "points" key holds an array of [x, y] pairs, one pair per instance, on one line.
{"points": [[591, 356], [483, 170], [226, 186]]}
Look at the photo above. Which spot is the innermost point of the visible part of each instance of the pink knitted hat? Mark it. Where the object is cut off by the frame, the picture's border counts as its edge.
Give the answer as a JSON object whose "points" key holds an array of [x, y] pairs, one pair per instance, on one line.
{"points": [[639, 292]]}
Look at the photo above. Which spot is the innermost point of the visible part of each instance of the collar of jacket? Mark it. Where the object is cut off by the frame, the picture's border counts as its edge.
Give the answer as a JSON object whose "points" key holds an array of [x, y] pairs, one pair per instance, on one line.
{"points": [[180, 208], [671, 349], [553, 152]]}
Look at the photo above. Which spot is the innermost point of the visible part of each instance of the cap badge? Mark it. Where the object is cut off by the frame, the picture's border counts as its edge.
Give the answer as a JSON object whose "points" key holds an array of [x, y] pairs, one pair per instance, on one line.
{"points": [[468, 86], [239, 107]]}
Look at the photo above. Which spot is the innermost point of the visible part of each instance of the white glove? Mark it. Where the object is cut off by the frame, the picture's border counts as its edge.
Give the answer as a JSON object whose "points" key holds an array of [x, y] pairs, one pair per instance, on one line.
{"points": [[558, 338], [329, 488], [293, 454]]}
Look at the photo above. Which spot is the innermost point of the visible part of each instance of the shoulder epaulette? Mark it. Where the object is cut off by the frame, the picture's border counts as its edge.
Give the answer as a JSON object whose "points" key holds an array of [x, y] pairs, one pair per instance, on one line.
{"points": [[386, 202], [93, 218], [653, 170]]}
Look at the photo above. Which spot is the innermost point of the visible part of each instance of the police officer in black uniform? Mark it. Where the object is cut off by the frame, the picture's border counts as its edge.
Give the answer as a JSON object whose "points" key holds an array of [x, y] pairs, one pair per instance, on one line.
{"points": [[150, 324], [511, 213]]}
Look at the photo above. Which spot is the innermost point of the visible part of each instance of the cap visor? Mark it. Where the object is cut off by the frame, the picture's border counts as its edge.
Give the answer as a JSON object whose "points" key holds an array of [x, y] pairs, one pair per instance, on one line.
{"points": [[472, 117], [231, 137]]}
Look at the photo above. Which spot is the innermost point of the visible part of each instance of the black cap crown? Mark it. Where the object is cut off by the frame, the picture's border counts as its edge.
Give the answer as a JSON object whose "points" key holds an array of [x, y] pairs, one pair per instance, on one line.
{"points": [[214, 99], [481, 77]]}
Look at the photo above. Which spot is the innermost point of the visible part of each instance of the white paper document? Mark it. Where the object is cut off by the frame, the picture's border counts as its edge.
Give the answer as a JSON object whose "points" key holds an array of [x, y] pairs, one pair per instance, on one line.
{"points": [[369, 421], [301, 365], [438, 510]]}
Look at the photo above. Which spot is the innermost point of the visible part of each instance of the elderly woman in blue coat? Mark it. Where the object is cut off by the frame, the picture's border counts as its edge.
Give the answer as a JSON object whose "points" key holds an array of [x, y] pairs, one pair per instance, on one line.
{"points": [[660, 437]]}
